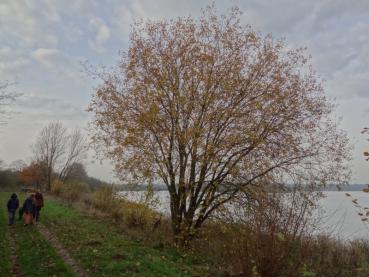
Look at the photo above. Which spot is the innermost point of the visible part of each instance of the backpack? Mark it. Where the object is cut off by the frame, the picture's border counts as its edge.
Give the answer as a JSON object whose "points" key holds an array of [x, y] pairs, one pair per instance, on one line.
{"points": [[39, 200]]}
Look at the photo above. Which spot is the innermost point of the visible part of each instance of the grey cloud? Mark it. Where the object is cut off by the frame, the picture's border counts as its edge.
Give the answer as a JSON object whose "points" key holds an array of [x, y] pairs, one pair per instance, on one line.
{"points": [[20, 22], [124, 13], [48, 108], [58, 63], [47, 57], [348, 86], [12, 62], [336, 11], [341, 56], [102, 34], [41, 23], [336, 32]]}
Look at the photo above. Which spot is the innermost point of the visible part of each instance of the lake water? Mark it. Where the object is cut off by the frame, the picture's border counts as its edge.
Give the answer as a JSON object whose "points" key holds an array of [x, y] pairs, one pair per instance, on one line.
{"points": [[339, 215]]}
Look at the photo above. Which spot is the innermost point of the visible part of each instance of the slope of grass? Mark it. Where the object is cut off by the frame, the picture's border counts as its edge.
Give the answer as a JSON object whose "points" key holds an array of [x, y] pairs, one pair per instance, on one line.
{"points": [[5, 262], [103, 250], [36, 256]]}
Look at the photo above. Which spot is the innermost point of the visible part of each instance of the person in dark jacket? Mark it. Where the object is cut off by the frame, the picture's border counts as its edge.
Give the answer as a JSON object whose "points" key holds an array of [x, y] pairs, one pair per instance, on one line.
{"points": [[29, 210], [39, 203], [13, 205]]}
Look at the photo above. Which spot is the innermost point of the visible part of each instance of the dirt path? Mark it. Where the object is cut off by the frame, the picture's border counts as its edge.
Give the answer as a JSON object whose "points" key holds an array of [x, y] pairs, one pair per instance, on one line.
{"points": [[13, 255], [60, 250]]}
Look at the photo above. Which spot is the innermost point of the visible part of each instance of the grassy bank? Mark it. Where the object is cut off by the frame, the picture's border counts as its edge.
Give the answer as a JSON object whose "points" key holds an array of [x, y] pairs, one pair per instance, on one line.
{"points": [[5, 262], [35, 255], [113, 237], [97, 244], [255, 248], [103, 250]]}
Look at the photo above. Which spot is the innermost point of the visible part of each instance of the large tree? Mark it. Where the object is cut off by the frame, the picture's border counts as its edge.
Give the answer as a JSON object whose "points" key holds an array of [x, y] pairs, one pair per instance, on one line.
{"points": [[210, 107]]}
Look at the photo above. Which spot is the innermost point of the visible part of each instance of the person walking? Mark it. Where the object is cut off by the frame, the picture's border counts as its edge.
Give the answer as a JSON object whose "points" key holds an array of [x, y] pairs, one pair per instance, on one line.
{"points": [[29, 210], [13, 205], [39, 203]]}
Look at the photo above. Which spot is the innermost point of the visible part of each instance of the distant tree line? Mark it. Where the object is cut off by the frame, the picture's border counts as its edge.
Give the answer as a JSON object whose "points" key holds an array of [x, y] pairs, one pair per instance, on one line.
{"points": [[58, 156], [28, 176]]}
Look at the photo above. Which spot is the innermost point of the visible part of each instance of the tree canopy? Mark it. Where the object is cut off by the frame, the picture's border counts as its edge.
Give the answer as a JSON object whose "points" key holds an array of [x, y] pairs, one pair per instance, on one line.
{"points": [[210, 107]]}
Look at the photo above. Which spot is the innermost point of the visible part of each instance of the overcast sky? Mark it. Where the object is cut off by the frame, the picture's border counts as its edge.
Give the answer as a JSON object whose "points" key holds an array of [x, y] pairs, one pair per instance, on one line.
{"points": [[43, 42]]}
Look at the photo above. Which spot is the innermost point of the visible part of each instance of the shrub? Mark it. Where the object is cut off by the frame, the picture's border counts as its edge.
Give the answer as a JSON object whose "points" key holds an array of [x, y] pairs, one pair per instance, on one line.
{"points": [[263, 235], [57, 187], [137, 215], [71, 191], [104, 199], [133, 215], [74, 190]]}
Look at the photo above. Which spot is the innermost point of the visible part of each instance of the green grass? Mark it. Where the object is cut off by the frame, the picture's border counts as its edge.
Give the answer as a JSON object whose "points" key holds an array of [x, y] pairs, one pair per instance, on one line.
{"points": [[99, 246], [103, 250], [36, 256], [5, 262]]}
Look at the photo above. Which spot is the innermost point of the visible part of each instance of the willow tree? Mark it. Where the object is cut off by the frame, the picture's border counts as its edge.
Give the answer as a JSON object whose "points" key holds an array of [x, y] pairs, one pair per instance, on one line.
{"points": [[210, 107]]}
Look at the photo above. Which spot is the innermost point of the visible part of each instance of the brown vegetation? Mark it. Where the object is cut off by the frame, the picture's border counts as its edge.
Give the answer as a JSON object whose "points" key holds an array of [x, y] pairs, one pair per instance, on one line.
{"points": [[275, 240], [71, 191], [32, 175], [133, 215]]}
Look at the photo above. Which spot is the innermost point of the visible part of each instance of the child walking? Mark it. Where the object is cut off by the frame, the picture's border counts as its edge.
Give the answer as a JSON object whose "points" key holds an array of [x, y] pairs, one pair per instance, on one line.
{"points": [[13, 205], [29, 210]]}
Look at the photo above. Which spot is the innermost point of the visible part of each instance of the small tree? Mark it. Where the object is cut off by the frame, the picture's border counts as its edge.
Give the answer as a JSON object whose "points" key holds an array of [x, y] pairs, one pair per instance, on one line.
{"points": [[210, 107], [17, 165], [32, 175], [58, 151], [75, 153], [78, 172], [50, 148]]}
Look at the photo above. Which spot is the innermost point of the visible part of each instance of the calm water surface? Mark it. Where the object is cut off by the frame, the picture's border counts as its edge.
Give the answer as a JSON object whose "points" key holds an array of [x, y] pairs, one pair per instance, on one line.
{"points": [[338, 214]]}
